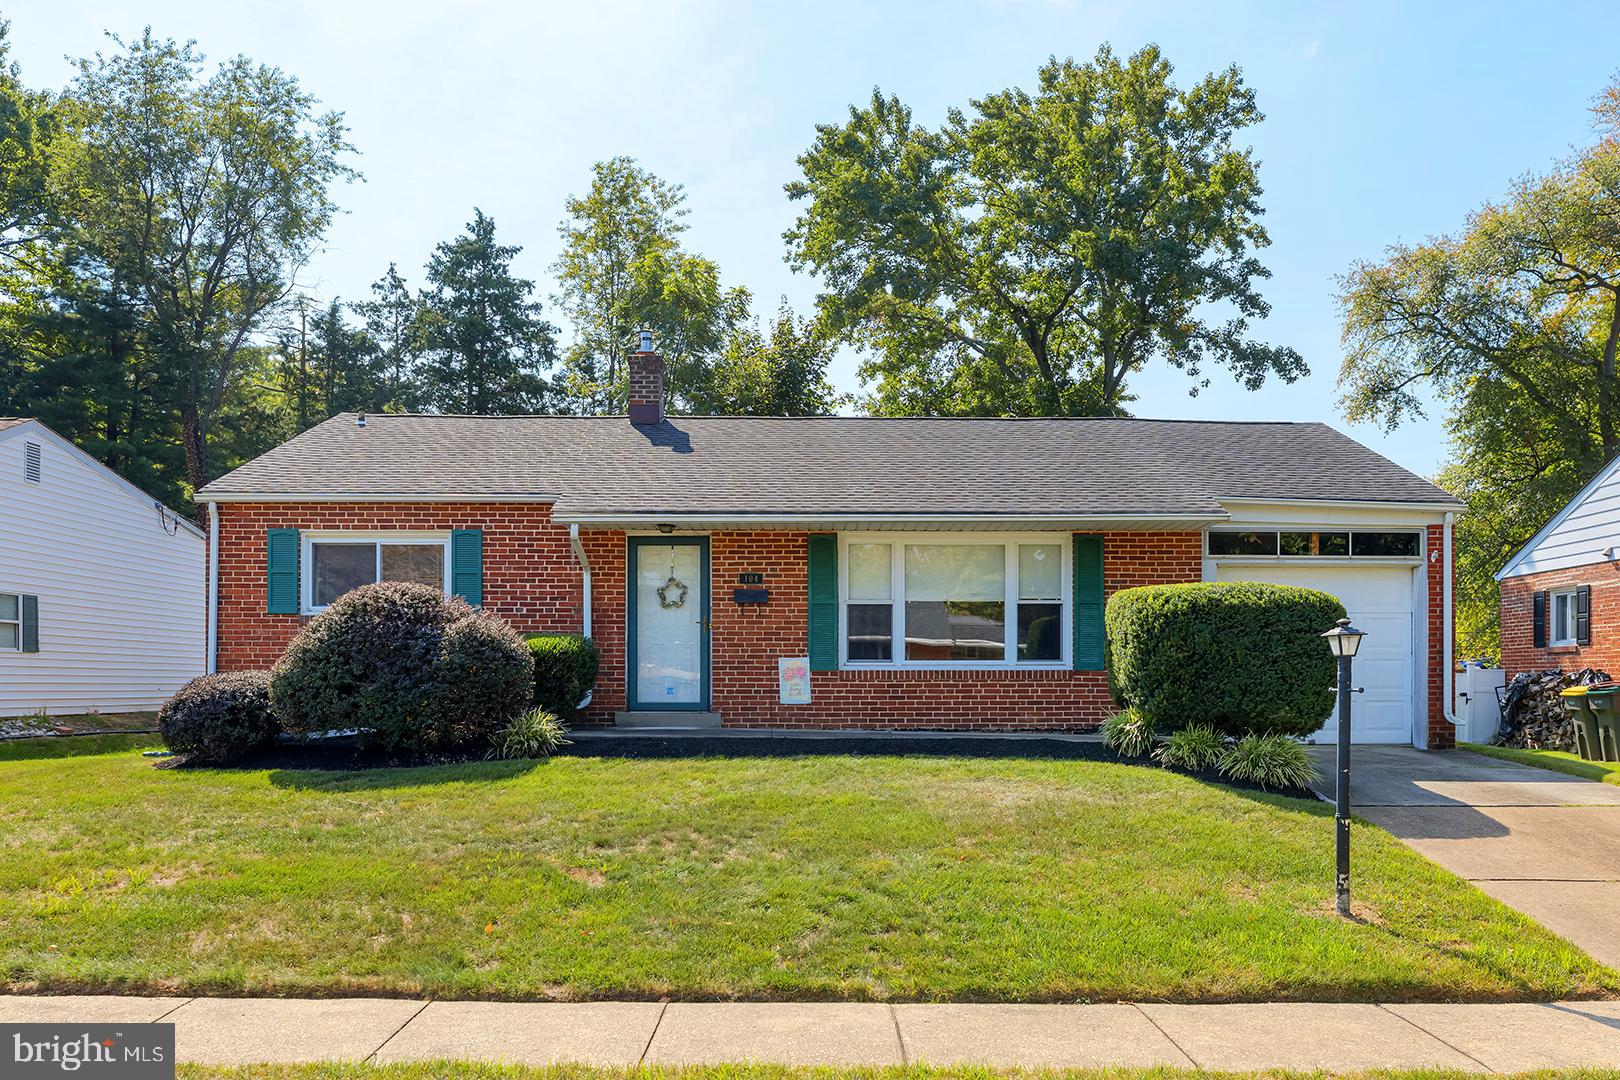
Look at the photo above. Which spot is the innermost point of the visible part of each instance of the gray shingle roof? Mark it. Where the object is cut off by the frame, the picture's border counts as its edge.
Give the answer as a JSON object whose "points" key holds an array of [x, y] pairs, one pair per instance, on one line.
{"points": [[831, 465], [13, 421]]}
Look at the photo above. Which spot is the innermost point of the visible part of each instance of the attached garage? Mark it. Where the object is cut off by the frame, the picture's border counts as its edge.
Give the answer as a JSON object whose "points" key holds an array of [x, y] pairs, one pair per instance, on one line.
{"points": [[1381, 593]]}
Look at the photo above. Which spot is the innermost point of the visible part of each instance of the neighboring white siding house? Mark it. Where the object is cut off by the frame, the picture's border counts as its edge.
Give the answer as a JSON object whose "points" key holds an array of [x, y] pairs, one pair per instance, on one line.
{"points": [[101, 591], [1584, 532]]}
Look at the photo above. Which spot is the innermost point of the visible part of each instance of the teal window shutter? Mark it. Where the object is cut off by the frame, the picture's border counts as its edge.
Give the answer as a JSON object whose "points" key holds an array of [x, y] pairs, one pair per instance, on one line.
{"points": [[1088, 603], [823, 602], [30, 623], [467, 565], [281, 572]]}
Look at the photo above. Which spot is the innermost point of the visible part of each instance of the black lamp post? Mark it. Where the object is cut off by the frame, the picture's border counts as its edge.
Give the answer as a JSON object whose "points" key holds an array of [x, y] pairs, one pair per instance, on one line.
{"points": [[1343, 640]]}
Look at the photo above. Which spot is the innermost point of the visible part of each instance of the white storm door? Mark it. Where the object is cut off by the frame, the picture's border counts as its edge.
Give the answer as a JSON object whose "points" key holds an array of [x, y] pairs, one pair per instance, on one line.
{"points": [[669, 658]]}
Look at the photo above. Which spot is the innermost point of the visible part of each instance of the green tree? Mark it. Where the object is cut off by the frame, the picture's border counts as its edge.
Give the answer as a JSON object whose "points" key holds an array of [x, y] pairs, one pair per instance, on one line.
{"points": [[392, 323], [28, 126], [486, 350], [1514, 323], [351, 371], [207, 196], [783, 374], [622, 268], [1030, 256]]}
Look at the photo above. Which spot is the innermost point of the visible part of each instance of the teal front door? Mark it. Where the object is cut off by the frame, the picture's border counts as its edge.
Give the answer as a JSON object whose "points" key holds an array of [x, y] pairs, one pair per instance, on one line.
{"points": [[669, 622]]}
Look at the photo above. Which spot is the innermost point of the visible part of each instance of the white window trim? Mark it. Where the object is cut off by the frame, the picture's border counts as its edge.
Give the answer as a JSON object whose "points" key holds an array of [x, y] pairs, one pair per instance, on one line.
{"points": [[17, 622], [1554, 640], [1009, 542], [306, 557], [1320, 560]]}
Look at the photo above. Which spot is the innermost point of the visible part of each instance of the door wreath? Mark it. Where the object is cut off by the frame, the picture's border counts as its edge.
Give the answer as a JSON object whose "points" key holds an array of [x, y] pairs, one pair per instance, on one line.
{"points": [[672, 593]]}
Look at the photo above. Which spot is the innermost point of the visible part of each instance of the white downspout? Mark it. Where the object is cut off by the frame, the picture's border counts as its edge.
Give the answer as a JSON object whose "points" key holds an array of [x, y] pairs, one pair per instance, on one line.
{"points": [[213, 586], [1447, 644], [584, 594]]}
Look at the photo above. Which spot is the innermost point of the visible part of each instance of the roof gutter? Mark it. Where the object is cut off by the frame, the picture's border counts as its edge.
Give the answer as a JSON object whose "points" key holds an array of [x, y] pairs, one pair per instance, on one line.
{"points": [[212, 497], [652, 520], [1358, 504]]}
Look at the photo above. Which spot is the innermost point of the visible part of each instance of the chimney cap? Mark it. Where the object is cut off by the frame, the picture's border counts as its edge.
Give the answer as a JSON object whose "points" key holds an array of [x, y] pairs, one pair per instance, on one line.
{"points": [[644, 340]]}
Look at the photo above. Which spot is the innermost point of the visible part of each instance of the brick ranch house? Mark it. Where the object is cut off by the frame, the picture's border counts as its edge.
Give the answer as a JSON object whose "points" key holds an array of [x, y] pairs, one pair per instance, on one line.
{"points": [[1560, 593], [929, 573]]}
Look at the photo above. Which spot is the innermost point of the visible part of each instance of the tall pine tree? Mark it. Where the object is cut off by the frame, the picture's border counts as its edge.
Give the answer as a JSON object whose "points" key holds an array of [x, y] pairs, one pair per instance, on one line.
{"points": [[486, 349]]}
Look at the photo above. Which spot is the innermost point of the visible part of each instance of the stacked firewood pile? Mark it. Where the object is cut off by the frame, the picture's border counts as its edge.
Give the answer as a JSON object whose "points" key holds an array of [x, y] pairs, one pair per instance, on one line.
{"points": [[1534, 716]]}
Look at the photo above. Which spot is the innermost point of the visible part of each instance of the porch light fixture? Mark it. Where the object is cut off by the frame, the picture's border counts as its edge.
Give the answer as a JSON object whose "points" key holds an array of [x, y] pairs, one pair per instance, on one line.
{"points": [[666, 529], [1343, 641]]}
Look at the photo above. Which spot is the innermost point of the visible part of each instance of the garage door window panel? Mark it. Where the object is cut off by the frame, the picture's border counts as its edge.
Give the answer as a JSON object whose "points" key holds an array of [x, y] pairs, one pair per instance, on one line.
{"points": [[1314, 544]]}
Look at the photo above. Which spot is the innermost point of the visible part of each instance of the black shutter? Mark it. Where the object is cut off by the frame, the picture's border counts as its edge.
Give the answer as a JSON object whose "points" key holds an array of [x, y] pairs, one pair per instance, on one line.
{"points": [[1583, 615], [1538, 620]]}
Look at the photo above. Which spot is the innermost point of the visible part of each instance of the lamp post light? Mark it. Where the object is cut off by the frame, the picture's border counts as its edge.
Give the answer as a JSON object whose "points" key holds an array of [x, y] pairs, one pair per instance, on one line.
{"points": [[1343, 640]]}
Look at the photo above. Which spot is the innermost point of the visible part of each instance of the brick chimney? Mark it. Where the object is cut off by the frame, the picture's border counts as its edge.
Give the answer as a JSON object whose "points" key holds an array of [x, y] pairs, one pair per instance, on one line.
{"points": [[646, 383]]}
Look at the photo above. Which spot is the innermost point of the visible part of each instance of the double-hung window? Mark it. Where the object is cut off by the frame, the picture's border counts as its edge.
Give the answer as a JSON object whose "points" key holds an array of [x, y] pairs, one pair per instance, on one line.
{"points": [[1561, 617], [335, 564], [958, 601], [10, 622]]}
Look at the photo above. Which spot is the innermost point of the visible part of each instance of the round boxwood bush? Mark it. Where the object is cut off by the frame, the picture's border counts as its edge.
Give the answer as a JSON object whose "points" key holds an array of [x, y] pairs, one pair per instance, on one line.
{"points": [[1243, 656], [217, 719], [564, 671], [411, 668]]}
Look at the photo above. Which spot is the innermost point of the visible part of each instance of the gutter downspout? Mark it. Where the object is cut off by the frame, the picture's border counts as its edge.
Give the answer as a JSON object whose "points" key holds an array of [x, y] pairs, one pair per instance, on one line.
{"points": [[584, 593], [213, 586], [1447, 645]]}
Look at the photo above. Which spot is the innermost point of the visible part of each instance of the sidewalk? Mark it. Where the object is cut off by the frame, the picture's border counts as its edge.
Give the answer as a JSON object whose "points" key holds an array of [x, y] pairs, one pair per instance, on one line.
{"points": [[1336, 1038]]}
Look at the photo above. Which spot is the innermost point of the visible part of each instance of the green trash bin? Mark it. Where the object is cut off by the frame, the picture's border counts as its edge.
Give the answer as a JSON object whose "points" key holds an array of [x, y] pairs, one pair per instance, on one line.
{"points": [[1588, 736], [1605, 706]]}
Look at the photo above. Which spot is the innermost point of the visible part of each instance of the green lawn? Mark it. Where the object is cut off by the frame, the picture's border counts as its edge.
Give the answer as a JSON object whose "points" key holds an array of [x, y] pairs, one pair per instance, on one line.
{"points": [[791, 878], [1555, 760]]}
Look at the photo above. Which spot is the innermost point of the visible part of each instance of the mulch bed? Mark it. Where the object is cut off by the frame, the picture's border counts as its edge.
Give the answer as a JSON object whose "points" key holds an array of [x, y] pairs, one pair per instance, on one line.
{"points": [[343, 755]]}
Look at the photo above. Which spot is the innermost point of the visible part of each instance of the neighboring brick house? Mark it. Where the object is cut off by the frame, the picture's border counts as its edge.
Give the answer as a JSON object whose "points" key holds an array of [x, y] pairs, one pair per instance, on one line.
{"points": [[933, 573], [1561, 591]]}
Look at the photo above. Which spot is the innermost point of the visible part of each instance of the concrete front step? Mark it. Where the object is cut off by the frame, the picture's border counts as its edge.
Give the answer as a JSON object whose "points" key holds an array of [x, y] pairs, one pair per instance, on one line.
{"points": [[670, 720]]}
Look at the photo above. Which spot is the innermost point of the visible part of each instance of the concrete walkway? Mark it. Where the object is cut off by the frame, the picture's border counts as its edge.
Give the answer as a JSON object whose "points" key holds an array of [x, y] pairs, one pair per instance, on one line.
{"points": [[1335, 1038], [1539, 841]]}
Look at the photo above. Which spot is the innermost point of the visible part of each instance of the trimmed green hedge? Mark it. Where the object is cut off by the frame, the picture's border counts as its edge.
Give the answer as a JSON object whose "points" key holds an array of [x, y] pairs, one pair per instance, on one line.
{"points": [[564, 671], [1244, 656], [218, 719], [410, 667]]}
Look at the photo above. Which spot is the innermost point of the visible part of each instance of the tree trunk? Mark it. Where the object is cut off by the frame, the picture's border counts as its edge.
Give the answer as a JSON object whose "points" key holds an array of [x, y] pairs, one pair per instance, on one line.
{"points": [[195, 441], [1608, 392]]}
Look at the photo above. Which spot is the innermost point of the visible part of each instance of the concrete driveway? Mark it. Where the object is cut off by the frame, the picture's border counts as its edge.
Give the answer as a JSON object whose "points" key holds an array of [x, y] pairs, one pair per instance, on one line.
{"points": [[1539, 841]]}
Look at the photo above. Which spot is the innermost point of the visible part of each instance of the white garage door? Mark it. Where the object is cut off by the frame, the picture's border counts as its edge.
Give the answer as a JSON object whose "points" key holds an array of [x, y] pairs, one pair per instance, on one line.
{"points": [[1380, 601]]}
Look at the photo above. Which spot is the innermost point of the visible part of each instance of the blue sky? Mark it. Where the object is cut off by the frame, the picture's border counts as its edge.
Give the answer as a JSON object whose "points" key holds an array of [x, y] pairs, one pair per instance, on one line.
{"points": [[1385, 122]]}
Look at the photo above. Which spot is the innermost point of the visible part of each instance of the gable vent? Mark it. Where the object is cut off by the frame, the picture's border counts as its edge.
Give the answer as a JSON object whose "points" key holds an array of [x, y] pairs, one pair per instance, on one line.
{"points": [[31, 462]]}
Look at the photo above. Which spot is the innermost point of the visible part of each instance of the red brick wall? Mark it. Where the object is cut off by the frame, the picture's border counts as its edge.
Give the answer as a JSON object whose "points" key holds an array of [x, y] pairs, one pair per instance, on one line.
{"points": [[1442, 734], [532, 580], [530, 576], [747, 640], [1518, 652]]}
